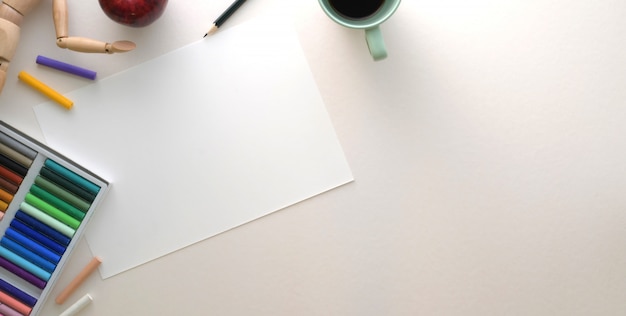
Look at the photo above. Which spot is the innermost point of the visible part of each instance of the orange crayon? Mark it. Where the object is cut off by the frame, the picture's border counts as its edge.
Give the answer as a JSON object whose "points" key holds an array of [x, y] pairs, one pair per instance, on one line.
{"points": [[49, 92], [78, 280]]}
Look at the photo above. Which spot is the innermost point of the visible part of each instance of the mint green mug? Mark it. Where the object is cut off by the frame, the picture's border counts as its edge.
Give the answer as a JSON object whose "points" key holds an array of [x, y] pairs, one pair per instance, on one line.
{"points": [[363, 14]]}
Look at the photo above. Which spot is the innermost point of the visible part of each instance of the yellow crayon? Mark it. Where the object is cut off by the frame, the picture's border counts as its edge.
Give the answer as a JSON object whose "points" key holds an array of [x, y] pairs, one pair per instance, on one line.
{"points": [[41, 87]]}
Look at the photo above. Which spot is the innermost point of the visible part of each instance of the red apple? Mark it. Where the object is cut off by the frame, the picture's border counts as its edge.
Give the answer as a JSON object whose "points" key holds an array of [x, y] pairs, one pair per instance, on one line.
{"points": [[135, 13]]}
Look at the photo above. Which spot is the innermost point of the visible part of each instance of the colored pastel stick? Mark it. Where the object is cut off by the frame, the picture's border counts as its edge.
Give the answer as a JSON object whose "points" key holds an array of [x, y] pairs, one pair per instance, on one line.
{"points": [[8, 311], [79, 279], [8, 186], [56, 202], [20, 307], [10, 175], [45, 90], [47, 219], [20, 295], [25, 275], [15, 155], [24, 264], [59, 65], [77, 306], [31, 245], [51, 210], [3, 206], [70, 175], [6, 196], [46, 241], [41, 227], [62, 193], [27, 254], [17, 146], [68, 185], [14, 166]]}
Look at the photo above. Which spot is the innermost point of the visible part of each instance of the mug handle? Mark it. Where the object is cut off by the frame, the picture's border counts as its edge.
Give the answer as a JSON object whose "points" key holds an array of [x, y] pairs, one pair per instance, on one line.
{"points": [[376, 43]]}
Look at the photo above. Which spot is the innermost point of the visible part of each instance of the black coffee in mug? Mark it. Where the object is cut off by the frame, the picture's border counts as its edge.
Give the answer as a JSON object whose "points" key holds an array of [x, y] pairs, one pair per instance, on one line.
{"points": [[356, 9]]}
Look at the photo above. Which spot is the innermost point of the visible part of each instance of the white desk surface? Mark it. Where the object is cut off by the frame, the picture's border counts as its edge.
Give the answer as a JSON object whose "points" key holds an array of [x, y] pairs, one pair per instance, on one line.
{"points": [[488, 152]]}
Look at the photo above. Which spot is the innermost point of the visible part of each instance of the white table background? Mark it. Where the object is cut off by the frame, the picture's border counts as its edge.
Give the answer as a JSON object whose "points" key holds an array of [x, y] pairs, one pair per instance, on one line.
{"points": [[489, 153]]}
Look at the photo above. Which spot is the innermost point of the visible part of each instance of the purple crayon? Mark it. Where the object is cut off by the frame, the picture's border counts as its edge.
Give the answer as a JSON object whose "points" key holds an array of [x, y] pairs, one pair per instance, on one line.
{"points": [[59, 65], [27, 276]]}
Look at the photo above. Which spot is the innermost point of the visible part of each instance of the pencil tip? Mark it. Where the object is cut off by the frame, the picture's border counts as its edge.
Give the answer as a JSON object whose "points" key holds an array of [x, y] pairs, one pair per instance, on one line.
{"points": [[205, 34], [212, 30]]}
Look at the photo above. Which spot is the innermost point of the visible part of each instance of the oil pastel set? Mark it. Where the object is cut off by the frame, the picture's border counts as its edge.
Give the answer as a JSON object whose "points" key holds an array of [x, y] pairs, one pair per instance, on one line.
{"points": [[46, 201]]}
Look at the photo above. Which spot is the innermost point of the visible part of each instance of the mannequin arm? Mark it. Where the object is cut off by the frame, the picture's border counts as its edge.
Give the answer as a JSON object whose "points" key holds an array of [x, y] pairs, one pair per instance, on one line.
{"points": [[59, 16], [3, 73], [86, 45], [9, 37], [82, 44]]}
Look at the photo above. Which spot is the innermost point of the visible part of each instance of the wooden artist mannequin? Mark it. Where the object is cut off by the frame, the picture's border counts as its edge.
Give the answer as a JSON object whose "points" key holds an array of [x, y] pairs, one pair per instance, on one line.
{"points": [[12, 13]]}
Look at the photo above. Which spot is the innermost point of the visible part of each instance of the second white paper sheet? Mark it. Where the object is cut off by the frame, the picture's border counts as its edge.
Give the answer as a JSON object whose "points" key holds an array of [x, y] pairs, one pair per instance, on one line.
{"points": [[199, 141]]}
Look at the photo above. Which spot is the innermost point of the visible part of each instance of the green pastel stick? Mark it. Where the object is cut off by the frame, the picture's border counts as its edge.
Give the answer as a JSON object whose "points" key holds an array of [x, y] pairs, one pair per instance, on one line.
{"points": [[51, 210], [70, 175], [56, 202], [47, 219], [63, 194]]}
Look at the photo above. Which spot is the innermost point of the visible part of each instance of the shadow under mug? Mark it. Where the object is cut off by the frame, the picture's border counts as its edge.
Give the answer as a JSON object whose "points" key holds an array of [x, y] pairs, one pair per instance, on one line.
{"points": [[370, 23]]}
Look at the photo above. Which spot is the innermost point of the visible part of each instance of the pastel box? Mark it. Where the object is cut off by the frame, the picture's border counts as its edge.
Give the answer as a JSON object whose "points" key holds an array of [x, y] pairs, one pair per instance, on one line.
{"points": [[46, 201]]}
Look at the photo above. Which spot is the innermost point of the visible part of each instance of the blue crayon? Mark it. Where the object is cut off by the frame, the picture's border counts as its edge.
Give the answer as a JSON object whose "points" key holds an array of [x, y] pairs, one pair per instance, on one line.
{"points": [[18, 294], [43, 228], [70, 175], [25, 264], [25, 275], [27, 254], [38, 237], [32, 245]]}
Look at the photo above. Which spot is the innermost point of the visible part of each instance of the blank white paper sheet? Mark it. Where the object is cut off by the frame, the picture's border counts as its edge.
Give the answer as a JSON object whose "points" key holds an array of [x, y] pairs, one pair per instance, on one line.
{"points": [[199, 141]]}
